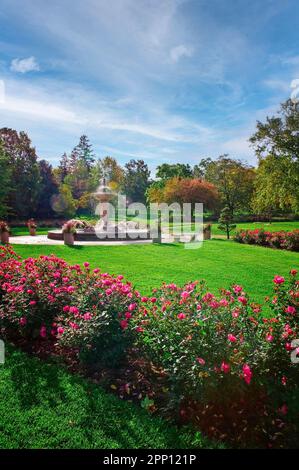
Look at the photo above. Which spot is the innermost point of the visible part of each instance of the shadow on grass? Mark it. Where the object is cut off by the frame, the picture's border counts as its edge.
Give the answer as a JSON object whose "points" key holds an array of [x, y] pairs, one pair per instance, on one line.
{"points": [[55, 396]]}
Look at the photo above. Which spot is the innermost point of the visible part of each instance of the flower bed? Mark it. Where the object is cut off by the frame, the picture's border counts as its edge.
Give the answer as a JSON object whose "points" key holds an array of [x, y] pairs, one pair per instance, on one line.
{"points": [[282, 240], [219, 361]]}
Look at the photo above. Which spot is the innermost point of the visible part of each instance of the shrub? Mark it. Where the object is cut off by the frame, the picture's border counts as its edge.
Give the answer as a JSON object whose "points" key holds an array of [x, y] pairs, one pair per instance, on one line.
{"points": [[282, 240], [48, 298], [219, 349]]}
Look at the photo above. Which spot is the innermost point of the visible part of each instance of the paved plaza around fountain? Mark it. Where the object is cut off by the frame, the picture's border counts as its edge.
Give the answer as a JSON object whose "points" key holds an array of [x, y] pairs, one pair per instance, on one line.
{"points": [[43, 240]]}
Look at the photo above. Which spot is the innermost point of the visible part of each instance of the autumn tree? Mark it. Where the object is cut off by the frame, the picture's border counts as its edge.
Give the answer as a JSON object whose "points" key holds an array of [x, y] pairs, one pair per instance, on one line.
{"points": [[112, 171], [187, 190]]}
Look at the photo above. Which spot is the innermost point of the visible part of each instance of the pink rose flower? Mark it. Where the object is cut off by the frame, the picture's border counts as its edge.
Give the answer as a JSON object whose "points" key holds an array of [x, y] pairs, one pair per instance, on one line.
{"points": [[201, 361], [123, 324], [181, 316], [278, 280], [290, 310], [231, 338], [242, 300], [225, 367], [43, 332], [247, 373]]}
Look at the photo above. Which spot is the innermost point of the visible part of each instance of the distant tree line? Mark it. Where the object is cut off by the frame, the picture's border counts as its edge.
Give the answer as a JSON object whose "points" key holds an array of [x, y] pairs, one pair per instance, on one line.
{"points": [[31, 187]]}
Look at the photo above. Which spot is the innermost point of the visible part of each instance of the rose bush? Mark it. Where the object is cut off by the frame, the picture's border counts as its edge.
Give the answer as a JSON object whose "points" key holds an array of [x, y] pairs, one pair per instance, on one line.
{"points": [[282, 240], [222, 349], [73, 305]]}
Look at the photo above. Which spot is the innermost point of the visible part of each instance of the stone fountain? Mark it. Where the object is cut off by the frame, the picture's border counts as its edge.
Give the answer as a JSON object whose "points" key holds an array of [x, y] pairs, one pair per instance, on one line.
{"points": [[105, 229]]}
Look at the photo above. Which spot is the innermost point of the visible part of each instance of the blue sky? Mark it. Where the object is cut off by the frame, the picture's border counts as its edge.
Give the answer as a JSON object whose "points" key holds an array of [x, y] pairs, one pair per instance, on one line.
{"points": [[162, 80]]}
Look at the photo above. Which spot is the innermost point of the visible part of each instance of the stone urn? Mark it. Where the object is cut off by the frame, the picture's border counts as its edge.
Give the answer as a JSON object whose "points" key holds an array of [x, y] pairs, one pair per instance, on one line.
{"points": [[68, 238], [207, 231], [32, 231], [5, 237]]}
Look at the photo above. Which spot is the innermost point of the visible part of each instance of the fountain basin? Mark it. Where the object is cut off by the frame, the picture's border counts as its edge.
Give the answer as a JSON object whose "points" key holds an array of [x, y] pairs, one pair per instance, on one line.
{"points": [[110, 235]]}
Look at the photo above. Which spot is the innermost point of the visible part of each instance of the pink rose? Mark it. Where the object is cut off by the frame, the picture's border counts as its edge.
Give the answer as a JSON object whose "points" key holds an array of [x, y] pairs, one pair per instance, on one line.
{"points": [[43, 332], [201, 361], [123, 324], [278, 280], [181, 316], [290, 310], [225, 367], [242, 300], [247, 373], [231, 338]]}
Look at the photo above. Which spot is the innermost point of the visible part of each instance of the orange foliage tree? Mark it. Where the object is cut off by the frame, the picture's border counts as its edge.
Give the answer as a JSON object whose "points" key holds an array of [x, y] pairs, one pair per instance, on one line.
{"points": [[191, 190]]}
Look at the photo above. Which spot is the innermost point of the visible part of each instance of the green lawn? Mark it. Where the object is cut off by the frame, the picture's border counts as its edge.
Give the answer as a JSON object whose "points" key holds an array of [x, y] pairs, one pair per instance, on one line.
{"points": [[273, 227], [219, 262], [44, 406]]}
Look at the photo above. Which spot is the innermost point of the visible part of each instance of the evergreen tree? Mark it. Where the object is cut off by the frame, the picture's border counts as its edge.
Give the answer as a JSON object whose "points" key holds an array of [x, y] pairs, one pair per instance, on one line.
{"points": [[64, 167], [48, 189], [83, 152], [136, 180], [226, 221]]}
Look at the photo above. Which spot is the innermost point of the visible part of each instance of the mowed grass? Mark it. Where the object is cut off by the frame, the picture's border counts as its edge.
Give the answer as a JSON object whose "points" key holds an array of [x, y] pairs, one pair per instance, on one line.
{"points": [[273, 227], [44, 406], [219, 262]]}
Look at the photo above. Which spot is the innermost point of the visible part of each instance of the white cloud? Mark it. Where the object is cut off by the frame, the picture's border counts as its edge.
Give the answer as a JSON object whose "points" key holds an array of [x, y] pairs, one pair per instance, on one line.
{"points": [[176, 53], [25, 65]]}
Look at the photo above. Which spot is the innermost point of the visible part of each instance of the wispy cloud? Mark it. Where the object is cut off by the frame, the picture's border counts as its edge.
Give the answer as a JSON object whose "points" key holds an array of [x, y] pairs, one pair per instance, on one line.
{"points": [[24, 65], [176, 53], [144, 76]]}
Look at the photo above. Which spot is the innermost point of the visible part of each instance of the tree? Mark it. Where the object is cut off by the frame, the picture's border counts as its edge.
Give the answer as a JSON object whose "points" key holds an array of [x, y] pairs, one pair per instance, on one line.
{"points": [[136, 180], [191, 191], [113, 172], [83, 152], [48, 188], [275, 186], [63, 203], [63, 168], [278, 136], [167, 171], [78, 179], [155, 192], [6, 181], [226, 221], [276, 144], [25, 175], [199, 171], [234, 181]]}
